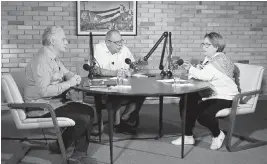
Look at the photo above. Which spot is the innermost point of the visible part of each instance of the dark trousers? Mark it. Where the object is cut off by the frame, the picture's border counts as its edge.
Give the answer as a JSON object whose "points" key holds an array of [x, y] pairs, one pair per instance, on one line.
{"points": [[204, 112], [118, 101], [83, 115], [138, 101]]}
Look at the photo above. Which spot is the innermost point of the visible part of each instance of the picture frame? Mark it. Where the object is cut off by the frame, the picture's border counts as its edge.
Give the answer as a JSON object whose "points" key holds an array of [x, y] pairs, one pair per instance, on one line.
{"points": [[99, 17]]}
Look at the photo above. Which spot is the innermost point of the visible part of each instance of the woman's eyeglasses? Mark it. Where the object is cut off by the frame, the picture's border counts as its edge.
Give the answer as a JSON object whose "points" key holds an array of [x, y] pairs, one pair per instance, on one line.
{"points": [[206, 45], [118, 43]]}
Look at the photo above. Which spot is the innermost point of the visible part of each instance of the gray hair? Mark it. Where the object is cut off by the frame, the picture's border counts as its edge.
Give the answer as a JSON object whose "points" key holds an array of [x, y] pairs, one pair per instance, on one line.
{"points": [[50, 33]]}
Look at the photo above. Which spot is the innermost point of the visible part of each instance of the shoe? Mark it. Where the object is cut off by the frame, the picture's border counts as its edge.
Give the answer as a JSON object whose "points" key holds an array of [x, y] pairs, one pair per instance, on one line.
{"points": [[133, 120], [95, 131], [122, 128], [79, 157], [217, 141], [188, 140], [54, 149]]}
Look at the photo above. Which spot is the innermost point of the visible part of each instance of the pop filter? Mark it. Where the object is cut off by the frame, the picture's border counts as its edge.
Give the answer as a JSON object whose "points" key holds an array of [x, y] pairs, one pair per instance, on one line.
{"points": [[180, 62], [86, 67]]}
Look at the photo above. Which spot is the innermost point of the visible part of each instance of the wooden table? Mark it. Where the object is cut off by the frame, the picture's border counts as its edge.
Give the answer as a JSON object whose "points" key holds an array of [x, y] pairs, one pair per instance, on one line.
{"points": [[142, 86]]}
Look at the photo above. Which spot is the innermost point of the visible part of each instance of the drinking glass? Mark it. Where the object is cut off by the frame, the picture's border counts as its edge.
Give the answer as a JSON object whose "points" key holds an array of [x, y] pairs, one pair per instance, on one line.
{"points": [[176, 75], [120, 76]]}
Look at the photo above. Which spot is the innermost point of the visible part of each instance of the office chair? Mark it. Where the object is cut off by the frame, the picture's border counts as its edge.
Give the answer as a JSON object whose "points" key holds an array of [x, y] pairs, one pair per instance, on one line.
{"points": [[17, 108], [250, 78]]}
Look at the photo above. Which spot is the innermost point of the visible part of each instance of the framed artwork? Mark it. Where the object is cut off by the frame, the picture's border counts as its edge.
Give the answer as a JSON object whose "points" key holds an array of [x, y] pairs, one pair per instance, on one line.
{"points": [[99, 17]]}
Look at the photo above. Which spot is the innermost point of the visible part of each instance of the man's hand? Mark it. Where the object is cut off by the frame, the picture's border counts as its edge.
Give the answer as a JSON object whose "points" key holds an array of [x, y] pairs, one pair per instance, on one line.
{"points": [[74, 80], [78, 78], [128, 72]]}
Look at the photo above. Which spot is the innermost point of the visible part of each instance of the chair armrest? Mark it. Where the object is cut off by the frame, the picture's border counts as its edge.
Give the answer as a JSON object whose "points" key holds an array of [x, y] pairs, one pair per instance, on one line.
{"points": [[249, 93], [240, 95], [36, 105]]}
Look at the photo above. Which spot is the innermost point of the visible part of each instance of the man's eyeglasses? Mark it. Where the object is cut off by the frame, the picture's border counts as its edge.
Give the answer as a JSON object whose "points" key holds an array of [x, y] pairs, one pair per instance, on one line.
{"points": [[118, 43], [206, 45]]}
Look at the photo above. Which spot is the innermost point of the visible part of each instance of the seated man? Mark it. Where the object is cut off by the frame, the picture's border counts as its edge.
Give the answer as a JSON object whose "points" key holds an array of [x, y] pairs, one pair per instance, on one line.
{"points": [[110, 57], [46, 80]]}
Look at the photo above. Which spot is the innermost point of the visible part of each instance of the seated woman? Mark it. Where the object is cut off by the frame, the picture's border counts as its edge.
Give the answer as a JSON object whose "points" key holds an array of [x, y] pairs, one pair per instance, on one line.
{"points": [[217, 69]]}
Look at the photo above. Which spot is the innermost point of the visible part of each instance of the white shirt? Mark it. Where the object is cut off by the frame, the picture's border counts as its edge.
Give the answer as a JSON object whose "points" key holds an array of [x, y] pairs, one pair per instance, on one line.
{"points": [[106, 60], [223, 86]]}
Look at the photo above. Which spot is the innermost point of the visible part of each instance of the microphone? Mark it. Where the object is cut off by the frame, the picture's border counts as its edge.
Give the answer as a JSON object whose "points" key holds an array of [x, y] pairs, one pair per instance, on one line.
{"points": [[179, 62], [131, 64], [90, 69]]}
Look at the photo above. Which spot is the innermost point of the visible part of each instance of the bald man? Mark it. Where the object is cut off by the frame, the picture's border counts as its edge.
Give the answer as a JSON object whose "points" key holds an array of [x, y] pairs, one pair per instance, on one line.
{"points": [[110, 56]]}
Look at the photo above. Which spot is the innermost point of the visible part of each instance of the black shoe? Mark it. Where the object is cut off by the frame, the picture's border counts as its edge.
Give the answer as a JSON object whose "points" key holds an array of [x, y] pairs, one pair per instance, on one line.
{"points": [[79, 157], [125, 129], [95, 131], [54, 148], [133, 120]]}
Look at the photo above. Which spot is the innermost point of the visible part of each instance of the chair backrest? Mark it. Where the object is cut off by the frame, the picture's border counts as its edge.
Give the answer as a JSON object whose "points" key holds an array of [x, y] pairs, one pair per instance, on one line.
{"points": [[250, 78], [12, 95]]}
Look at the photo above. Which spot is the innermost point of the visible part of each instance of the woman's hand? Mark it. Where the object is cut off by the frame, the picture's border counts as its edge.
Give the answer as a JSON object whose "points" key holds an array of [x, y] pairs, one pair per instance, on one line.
{"points": [[186, 65]]}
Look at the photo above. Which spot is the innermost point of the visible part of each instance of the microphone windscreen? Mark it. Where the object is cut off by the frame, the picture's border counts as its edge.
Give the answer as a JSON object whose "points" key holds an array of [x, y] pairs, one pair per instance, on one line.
{"points": [[128, 61], [180, 62], [86, 67]]}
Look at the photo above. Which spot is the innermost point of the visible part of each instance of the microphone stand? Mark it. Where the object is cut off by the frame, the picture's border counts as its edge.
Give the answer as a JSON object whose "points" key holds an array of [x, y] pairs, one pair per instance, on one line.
{"points": [[161, 67], [92, 58], [169, 72]]}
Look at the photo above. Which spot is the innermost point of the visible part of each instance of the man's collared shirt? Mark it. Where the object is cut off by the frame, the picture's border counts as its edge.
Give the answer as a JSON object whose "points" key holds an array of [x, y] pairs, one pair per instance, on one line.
{"points": [[44, 79], [109, 61]]}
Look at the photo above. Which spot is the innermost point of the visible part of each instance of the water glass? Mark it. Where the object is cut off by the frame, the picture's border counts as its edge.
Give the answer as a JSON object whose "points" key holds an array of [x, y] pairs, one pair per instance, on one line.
{"points": [[121, 74], [176, 75]]}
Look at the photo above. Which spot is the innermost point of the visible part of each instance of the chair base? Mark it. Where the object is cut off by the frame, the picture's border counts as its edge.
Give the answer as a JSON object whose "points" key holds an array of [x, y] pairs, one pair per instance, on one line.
{"points": [[19, 154], [253, 142]]}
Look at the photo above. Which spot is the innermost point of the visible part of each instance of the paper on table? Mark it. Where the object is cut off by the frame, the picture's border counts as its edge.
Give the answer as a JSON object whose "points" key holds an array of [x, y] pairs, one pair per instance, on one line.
{"points": [[117, 88], [120, 87], [99, 79], [182, 84], [166, 80], [139, 75], [113, 78], [172, 80]]}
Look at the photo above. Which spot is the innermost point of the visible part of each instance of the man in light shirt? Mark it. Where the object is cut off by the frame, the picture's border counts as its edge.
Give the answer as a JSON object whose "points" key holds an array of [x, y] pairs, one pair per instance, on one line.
{"points": [[110, 56], [46, 80]]}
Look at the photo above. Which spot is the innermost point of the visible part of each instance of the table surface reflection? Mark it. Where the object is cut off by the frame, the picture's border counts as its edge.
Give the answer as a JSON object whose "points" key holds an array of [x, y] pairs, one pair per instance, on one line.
{"points": [[141, 86]]}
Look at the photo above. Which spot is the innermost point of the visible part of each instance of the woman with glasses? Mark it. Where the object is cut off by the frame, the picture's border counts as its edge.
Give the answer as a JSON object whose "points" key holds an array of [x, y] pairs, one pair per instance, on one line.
{"points": [[218, 69]]}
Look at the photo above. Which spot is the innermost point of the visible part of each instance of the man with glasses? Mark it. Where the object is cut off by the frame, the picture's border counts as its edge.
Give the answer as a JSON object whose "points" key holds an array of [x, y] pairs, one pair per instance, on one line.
{"points": [[110, 57], [111, 54]]}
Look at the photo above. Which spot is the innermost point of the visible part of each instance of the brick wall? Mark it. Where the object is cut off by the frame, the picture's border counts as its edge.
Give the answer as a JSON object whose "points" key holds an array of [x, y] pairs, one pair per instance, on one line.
{"points": [[243, 24]]}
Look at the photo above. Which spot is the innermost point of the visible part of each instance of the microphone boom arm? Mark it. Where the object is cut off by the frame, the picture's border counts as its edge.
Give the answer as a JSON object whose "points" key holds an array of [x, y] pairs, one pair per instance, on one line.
{"points": [[161, 67], [164, 35]]}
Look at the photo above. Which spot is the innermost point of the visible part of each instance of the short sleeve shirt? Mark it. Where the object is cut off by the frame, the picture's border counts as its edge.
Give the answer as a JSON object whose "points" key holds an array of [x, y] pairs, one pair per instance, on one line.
{"points": [[106, 60]]}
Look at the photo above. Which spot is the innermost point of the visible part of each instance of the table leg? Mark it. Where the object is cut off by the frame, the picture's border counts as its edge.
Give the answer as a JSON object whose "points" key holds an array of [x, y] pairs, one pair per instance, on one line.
{"points": [[98, 105], [183, 124], [110, 125], [160, 116]]}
